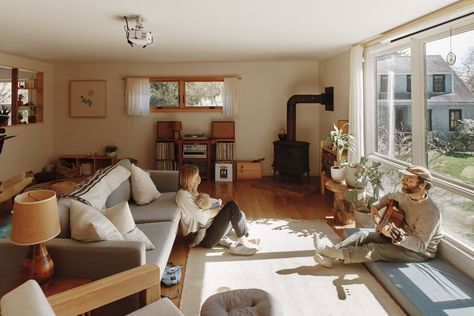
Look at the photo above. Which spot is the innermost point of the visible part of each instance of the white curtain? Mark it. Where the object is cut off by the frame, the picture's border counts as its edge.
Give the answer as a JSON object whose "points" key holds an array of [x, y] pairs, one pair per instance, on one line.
{"points": [[137, 96], [356, 103], [231, 97]]}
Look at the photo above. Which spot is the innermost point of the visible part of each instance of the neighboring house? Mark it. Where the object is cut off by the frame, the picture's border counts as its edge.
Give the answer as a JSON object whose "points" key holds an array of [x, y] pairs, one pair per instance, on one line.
{"points": [[449, 98]]}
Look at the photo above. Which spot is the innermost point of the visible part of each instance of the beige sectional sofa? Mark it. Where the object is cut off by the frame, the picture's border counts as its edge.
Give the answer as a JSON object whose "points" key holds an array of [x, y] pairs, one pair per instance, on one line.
{"points": [[159, 220]]}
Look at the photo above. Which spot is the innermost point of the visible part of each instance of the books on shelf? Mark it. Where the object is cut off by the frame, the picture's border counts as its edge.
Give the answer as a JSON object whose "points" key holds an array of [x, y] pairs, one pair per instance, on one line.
{"points": [[165, 150], [225, 151], [166, 165]]}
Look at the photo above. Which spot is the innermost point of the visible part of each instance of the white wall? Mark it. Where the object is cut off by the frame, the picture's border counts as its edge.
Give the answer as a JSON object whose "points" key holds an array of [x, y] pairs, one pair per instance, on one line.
{"points": [[32, 149], [334, 72], [265, 89]]}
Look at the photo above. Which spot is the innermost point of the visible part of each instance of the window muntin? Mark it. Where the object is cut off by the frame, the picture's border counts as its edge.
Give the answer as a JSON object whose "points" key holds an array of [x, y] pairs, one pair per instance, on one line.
{"points": [[187, 94], [454, 117], [393, 106]]}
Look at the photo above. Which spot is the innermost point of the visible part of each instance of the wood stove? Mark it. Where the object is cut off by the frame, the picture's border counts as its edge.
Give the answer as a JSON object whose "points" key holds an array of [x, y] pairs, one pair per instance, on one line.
{"points": [[291, 157]]}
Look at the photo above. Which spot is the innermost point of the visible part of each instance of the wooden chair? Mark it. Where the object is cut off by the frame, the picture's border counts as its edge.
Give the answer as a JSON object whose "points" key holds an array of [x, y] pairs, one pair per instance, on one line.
{"points": [[28, 299]]}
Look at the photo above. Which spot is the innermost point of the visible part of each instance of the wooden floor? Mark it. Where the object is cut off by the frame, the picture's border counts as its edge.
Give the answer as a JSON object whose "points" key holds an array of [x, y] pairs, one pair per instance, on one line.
{"points": [[266, 198]]}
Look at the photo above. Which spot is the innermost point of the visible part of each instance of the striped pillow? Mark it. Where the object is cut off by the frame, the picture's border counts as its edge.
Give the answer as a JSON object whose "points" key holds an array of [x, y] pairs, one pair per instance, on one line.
{"points": [[94, 190]]}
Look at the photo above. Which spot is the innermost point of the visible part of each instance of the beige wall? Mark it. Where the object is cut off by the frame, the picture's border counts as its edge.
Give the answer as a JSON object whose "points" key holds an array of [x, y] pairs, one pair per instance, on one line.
{"points": [[334, 72], [265, 89], [32, 149]]}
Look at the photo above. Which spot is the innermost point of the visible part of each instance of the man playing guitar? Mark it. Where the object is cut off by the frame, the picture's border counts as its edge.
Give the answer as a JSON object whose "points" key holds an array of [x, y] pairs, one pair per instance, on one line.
{"points": [[415, 241]]}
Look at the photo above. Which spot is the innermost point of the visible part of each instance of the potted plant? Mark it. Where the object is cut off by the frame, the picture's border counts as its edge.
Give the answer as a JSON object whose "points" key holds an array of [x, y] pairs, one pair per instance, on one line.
{"points": [[358, 197], [339, 141], [4, 115], [32, 115], [111, 151]]}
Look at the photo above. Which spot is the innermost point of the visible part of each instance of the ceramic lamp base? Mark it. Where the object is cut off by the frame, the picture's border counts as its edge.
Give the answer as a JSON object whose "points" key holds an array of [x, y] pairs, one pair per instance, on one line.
{"points": [[37, 265]]}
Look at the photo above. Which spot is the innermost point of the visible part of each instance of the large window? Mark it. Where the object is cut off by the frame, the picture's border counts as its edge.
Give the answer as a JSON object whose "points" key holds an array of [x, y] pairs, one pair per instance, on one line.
{"points": [[393, 105], [435, 125], [186, 94]]}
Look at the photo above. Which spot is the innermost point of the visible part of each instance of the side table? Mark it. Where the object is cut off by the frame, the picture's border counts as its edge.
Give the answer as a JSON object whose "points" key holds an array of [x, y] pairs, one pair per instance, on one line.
{"points": [[341, 209]]}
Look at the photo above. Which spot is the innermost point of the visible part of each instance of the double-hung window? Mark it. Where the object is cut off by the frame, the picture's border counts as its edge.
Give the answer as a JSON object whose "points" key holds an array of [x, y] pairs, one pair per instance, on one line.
{"points": [[427, 118], [187, 94]]}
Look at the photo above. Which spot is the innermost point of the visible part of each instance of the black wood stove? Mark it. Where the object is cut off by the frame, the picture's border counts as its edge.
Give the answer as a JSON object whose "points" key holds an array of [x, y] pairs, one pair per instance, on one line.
{"points": [[291, 157]]}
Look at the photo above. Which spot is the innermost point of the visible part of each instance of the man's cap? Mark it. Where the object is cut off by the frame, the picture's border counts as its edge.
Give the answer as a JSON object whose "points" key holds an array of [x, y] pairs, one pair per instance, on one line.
{"points": [[419, 171]]}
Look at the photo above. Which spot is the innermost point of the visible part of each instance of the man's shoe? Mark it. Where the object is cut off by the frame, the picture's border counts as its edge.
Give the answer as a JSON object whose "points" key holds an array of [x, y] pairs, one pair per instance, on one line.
{"points": [[321, 242], [241, 250], [326, 262]]}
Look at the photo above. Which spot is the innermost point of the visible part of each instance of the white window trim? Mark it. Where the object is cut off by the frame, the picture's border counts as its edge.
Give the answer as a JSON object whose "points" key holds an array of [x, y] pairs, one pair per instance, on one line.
{"points": [[457, 252]]}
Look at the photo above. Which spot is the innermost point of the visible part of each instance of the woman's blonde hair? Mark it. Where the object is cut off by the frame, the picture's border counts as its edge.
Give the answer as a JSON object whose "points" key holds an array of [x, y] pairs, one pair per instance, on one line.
{"points": [[187, 176]]}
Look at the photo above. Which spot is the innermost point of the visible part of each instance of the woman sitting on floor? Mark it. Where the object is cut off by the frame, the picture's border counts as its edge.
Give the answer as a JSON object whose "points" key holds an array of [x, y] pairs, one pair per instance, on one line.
{"points": [[209, 226]]}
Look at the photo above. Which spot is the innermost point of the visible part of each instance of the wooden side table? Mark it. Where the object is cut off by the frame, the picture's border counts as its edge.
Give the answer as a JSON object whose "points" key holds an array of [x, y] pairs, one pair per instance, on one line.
{"points": [[341, 209], [61, 284]]}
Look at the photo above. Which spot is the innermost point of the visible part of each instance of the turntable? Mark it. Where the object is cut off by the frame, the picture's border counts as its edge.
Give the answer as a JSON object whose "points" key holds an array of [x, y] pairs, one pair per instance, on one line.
{"points": [[195, 136]]}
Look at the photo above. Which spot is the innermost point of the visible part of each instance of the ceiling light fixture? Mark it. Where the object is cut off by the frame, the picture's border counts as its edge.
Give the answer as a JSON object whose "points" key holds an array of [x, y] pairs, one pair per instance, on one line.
{"points": [[137, 35]]}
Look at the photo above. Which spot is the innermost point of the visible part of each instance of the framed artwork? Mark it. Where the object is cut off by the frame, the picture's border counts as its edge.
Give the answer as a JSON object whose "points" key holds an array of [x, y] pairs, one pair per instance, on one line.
{"points": [[88, 98]]}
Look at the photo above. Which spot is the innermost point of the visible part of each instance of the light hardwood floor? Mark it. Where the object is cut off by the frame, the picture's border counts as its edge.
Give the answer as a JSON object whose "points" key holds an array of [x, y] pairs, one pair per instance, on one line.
{"points": [[266, 198]]}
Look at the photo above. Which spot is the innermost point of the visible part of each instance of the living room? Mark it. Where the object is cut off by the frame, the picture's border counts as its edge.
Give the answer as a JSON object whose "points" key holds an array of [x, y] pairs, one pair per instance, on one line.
{"points": [[267, 77]]}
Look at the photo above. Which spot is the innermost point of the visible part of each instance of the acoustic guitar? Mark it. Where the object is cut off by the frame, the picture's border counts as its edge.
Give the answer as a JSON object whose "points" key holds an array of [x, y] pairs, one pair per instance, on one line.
{"points": [[393, 216]]}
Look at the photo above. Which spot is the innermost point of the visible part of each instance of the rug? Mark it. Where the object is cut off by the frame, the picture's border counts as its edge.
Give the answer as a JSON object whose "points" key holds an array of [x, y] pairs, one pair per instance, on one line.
{"points": [[285, 268]]}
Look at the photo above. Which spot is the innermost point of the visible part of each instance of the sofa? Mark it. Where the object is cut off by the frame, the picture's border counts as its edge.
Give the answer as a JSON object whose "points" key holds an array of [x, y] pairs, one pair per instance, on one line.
{"points": [[159, 220]]}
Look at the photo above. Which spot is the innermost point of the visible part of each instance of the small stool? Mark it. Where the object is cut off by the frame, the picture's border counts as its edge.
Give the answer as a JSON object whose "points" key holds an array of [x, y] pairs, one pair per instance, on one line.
{"points": [[240, 302]]}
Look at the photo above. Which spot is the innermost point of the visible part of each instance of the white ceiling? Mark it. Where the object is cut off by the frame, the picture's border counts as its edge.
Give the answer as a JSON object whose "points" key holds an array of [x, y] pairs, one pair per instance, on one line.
{"points": [[199, 30]]}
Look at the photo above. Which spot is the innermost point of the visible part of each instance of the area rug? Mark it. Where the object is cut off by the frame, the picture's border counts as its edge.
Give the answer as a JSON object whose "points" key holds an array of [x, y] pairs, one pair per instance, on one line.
{"points": [[285, 268]]}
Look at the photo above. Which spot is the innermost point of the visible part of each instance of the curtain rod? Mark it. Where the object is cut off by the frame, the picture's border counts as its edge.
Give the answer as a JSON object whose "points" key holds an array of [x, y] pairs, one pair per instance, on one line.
{"points": [[416, 22], [185, 77], [431, 27]]}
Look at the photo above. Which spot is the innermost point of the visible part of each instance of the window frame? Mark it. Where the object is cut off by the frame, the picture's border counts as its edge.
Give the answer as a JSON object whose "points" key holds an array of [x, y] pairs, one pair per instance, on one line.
{"points": [[442, 83], [408, 82], [419, 113], [456, 122], [182, 107]]}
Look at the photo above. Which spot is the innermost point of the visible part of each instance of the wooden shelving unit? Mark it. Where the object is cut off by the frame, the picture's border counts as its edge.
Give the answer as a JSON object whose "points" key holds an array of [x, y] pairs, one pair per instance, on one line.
{"points": [[86, 165], [204, 164], [223, 144], [166, 145]]}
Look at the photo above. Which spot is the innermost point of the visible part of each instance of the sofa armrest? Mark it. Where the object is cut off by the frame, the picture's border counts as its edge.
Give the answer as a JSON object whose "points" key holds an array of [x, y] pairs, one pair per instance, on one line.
{"points": [[165, 180], [95, 260]]}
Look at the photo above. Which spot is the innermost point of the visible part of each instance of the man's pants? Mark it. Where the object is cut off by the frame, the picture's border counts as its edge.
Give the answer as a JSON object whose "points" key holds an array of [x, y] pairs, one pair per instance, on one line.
{"points": [[230, 212], [365, 246]]}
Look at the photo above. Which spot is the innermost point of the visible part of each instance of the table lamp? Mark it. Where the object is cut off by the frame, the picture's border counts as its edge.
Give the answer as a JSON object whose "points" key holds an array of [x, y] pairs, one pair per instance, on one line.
{"points": [[35, 221]]}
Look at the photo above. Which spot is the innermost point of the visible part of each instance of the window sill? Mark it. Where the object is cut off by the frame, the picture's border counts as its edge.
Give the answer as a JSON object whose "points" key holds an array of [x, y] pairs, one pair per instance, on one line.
{"points": [[205, 109]]}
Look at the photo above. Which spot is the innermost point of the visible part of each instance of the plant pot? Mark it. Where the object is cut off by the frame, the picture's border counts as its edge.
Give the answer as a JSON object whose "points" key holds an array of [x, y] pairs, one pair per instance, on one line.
{"points": [[363, 220], [4, 119], [337, 174], [350, 176], [111, 154]]}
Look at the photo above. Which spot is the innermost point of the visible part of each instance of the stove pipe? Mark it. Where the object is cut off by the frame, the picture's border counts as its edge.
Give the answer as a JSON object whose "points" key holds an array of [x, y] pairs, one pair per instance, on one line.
{"points": [[326, 99]]}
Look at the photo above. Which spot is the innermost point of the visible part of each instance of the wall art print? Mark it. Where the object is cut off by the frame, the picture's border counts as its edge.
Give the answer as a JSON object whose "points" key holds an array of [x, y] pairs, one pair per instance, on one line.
{"points": [[88, 98]]}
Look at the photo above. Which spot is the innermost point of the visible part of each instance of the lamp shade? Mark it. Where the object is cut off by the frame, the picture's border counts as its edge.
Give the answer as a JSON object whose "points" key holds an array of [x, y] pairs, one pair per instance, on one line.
{"points": [[35, 217]]}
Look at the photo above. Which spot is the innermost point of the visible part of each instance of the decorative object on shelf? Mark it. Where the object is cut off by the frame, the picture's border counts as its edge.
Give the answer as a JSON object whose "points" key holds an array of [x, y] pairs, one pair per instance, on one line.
{"points": [[35, 221], [224, 172], [4, 115], [340, 141], [137, 35], [111, 151], [32, 114], [223, 129], [282, 135], [88, 98], [20, 100]]}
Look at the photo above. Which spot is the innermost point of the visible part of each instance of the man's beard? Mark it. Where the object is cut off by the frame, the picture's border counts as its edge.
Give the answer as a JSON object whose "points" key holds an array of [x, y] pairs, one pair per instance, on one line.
{"points": [[410, 190]]}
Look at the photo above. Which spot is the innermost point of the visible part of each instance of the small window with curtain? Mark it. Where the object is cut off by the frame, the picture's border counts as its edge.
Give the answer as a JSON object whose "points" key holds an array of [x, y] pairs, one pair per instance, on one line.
{"points": [[454, 117], [187, 94]]}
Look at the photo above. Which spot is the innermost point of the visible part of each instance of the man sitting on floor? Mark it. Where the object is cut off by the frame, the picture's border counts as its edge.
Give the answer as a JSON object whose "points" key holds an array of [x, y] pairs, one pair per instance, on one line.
{"points": [[417, 238]]}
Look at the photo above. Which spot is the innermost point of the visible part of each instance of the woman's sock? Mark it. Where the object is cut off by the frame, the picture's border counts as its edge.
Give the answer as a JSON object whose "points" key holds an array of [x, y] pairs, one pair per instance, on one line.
{"points": [[245, 242]]}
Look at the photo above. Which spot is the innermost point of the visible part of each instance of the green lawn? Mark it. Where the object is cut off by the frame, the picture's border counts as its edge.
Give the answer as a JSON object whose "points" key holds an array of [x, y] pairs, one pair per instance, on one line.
{"points": [[457, 165]]}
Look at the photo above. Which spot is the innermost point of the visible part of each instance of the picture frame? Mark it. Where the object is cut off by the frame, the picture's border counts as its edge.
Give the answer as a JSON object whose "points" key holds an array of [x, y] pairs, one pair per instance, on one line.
{"points": [[88, 98]]}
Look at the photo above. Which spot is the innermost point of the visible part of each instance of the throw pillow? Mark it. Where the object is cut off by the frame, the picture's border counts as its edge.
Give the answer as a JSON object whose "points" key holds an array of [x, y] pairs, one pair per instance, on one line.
{"points": [[137, 235], [88, 224], [94, 190], [121, 216], [143, 189]]}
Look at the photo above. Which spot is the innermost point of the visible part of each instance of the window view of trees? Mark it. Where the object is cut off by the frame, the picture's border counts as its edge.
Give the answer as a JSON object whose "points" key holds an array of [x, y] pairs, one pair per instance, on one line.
{"points": [[187, 93]]}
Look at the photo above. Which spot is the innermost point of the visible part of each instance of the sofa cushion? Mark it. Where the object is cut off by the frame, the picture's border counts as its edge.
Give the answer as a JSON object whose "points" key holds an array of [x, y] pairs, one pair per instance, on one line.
{"points": [[162, 235], [63, 210], [122, 193], [143, 189], [88, 224], [137, 235], [162, 209], [95, 189]]}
